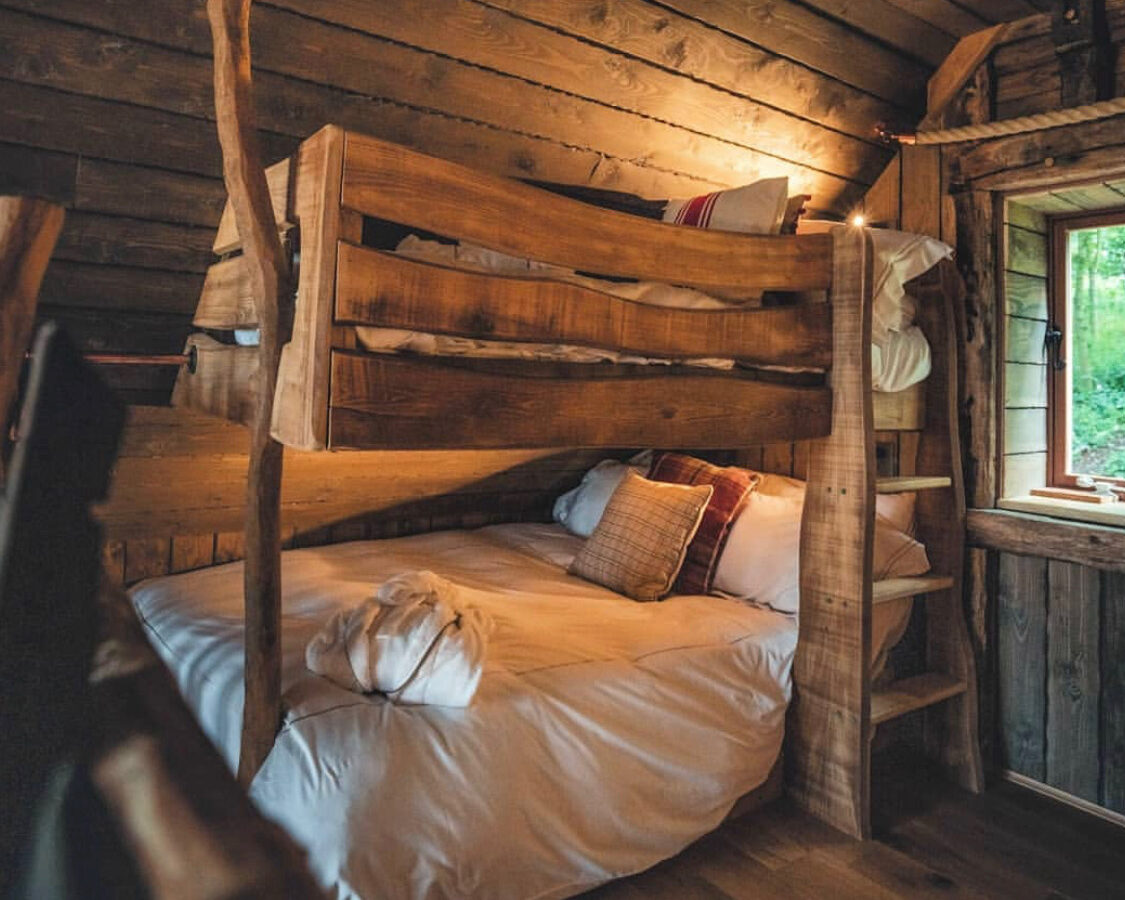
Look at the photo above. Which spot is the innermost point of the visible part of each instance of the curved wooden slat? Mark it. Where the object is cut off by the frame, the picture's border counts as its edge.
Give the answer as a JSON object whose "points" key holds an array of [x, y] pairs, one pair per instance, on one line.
{"points": [[392, 402], [396, 183], [378, 288]]}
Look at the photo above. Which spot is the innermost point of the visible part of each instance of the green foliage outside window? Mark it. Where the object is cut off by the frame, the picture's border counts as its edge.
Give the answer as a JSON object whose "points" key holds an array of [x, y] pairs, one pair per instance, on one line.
{"points": [[1097, 350]]}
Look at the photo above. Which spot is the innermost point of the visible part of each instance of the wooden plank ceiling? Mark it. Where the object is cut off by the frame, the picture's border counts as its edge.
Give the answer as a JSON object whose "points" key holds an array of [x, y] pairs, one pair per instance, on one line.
{"points": [[111, 113]]}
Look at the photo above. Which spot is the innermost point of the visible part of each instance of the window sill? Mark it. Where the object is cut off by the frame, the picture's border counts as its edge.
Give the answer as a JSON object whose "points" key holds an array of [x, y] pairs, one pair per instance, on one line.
{"points": [[1048, 537], [1074, 510]]}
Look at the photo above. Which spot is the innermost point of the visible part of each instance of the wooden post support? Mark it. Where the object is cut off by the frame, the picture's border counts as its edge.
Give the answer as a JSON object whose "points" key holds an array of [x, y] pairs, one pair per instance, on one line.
{"points": [[828, 733], [268, 274], [1082, 44], [28, 231]]}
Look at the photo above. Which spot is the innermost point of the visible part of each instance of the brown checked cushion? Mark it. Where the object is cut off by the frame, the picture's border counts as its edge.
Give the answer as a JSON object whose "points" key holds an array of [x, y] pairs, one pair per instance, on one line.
{"points": [[731, 488], [639, 544]]}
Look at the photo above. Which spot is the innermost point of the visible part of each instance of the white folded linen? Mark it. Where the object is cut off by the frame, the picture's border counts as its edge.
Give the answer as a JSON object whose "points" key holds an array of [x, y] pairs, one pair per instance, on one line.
{"points": [[415, 641]]}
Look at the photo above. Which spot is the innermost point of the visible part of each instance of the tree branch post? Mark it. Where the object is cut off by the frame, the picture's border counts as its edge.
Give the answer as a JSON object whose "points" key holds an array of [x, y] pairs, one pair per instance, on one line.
{"points": [[268, 272]]}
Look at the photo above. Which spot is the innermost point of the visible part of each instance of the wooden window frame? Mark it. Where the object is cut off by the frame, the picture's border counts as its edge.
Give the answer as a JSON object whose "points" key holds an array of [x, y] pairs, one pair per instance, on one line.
{"points": [[1058, 380]]}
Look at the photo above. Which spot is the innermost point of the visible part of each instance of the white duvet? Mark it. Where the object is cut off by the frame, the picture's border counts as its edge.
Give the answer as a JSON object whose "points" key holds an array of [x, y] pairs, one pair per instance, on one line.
{"points": [[605, 734]]}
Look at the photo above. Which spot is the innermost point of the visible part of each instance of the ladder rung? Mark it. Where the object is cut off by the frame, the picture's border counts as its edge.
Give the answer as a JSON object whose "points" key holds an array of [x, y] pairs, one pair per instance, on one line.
{"points": [[896, 588], [909, 694], [903, 483]]}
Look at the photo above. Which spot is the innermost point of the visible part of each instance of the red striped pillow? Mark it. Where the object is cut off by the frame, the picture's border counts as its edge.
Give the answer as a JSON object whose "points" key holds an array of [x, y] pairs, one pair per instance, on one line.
{"points": [[731, 488]]}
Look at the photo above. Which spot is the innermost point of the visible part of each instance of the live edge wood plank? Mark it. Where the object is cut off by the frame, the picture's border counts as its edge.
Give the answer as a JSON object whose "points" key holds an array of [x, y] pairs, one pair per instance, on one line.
{"points": [[392, 403], [1097, 546], [393, 182], [379, 288]]}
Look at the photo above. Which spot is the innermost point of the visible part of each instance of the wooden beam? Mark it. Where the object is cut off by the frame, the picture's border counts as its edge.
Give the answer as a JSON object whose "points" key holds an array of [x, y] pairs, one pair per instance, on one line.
{"points": [[1097, 546], [268, 272], [954, 73], [1043, 157], [976, 260], [1082, 45], [28, 231]]}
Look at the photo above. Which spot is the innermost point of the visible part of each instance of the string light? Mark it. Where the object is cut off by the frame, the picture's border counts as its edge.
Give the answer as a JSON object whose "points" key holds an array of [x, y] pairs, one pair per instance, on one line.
{"points": [[858, 220]]}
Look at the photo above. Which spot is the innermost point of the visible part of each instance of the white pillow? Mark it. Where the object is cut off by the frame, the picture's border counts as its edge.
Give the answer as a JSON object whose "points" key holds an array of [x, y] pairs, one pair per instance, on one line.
{"points": [[579, 510], [757, 208], [761, 559]]}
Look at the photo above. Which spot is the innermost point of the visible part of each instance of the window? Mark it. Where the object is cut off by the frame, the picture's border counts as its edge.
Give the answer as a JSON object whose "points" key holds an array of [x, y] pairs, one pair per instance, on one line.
{"points": [[1086, 349]]}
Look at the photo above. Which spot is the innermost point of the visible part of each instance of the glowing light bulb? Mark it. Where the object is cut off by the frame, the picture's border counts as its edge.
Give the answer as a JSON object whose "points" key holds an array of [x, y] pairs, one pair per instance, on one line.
{"points": [[858, 220]]}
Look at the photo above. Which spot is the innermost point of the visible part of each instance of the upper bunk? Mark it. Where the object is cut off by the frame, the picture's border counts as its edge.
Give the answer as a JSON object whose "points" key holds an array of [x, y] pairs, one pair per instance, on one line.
{"points": [[334, 202]]}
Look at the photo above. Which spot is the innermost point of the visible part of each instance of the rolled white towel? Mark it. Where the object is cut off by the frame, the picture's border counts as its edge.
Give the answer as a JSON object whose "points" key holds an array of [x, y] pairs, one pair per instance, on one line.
{"points": [[415, 641]]}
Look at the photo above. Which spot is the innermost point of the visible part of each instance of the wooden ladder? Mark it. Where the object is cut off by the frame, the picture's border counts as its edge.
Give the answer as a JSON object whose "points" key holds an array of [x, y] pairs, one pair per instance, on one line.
{"points": [[835, 710], [947, 689]]}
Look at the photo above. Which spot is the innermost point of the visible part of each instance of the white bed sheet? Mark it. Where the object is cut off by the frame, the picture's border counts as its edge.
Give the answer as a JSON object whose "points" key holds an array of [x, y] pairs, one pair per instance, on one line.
{"points": [[606, 734]]}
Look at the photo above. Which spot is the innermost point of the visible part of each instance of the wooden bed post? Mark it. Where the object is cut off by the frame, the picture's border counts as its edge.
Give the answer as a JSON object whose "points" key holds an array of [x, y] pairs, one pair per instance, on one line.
{"points": [[829, 729], [268, 275]]}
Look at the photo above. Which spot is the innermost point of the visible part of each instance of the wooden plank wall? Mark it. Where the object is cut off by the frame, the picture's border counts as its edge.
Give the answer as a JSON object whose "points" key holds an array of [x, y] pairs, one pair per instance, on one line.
{"points": [[1061, 685], [1024, 461], [110, 113], [1027, 67]]}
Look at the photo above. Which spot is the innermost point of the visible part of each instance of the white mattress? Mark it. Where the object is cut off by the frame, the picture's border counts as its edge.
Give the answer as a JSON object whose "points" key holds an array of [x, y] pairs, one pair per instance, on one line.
{"points": [[606, 734]]}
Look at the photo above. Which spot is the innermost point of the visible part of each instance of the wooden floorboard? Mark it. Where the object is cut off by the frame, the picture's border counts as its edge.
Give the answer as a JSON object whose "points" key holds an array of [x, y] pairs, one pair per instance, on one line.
{"points": [[931, 840]]}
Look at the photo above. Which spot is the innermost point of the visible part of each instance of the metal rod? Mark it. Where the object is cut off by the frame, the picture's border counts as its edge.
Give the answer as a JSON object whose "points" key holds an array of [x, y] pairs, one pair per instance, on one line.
{"points": [[140, 359], [137, 359]]}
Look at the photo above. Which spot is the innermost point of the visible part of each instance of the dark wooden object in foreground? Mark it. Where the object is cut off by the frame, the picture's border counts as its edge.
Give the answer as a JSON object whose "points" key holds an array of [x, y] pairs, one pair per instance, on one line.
{"points": [[50, 566], [148, 808], [267, 268]]}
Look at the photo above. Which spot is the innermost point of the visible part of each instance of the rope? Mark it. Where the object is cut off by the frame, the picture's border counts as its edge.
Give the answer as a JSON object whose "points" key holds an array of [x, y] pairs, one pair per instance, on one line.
{"points": [[1022, 125]]}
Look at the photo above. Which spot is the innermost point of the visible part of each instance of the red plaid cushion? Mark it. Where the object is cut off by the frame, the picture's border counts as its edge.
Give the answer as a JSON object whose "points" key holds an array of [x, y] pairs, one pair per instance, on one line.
{"points": [[731, 487]]}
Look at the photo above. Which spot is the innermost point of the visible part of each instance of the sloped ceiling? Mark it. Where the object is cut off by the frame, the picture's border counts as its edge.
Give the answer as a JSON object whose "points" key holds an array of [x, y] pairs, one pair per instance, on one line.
{"points": [[109, 110]]}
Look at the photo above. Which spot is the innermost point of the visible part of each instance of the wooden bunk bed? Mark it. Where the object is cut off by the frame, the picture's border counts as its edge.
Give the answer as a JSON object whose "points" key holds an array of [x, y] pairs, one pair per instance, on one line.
{"points": [[330, 202]]}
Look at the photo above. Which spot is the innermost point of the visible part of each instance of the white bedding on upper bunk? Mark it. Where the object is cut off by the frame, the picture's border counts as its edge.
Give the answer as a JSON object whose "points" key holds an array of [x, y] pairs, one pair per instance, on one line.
{"points": [[606, 734], [900, 352]]}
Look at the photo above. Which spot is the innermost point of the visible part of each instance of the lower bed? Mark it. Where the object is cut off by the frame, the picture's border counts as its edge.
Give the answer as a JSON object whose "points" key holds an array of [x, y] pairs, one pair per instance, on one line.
{"points": [[605, 736]]}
